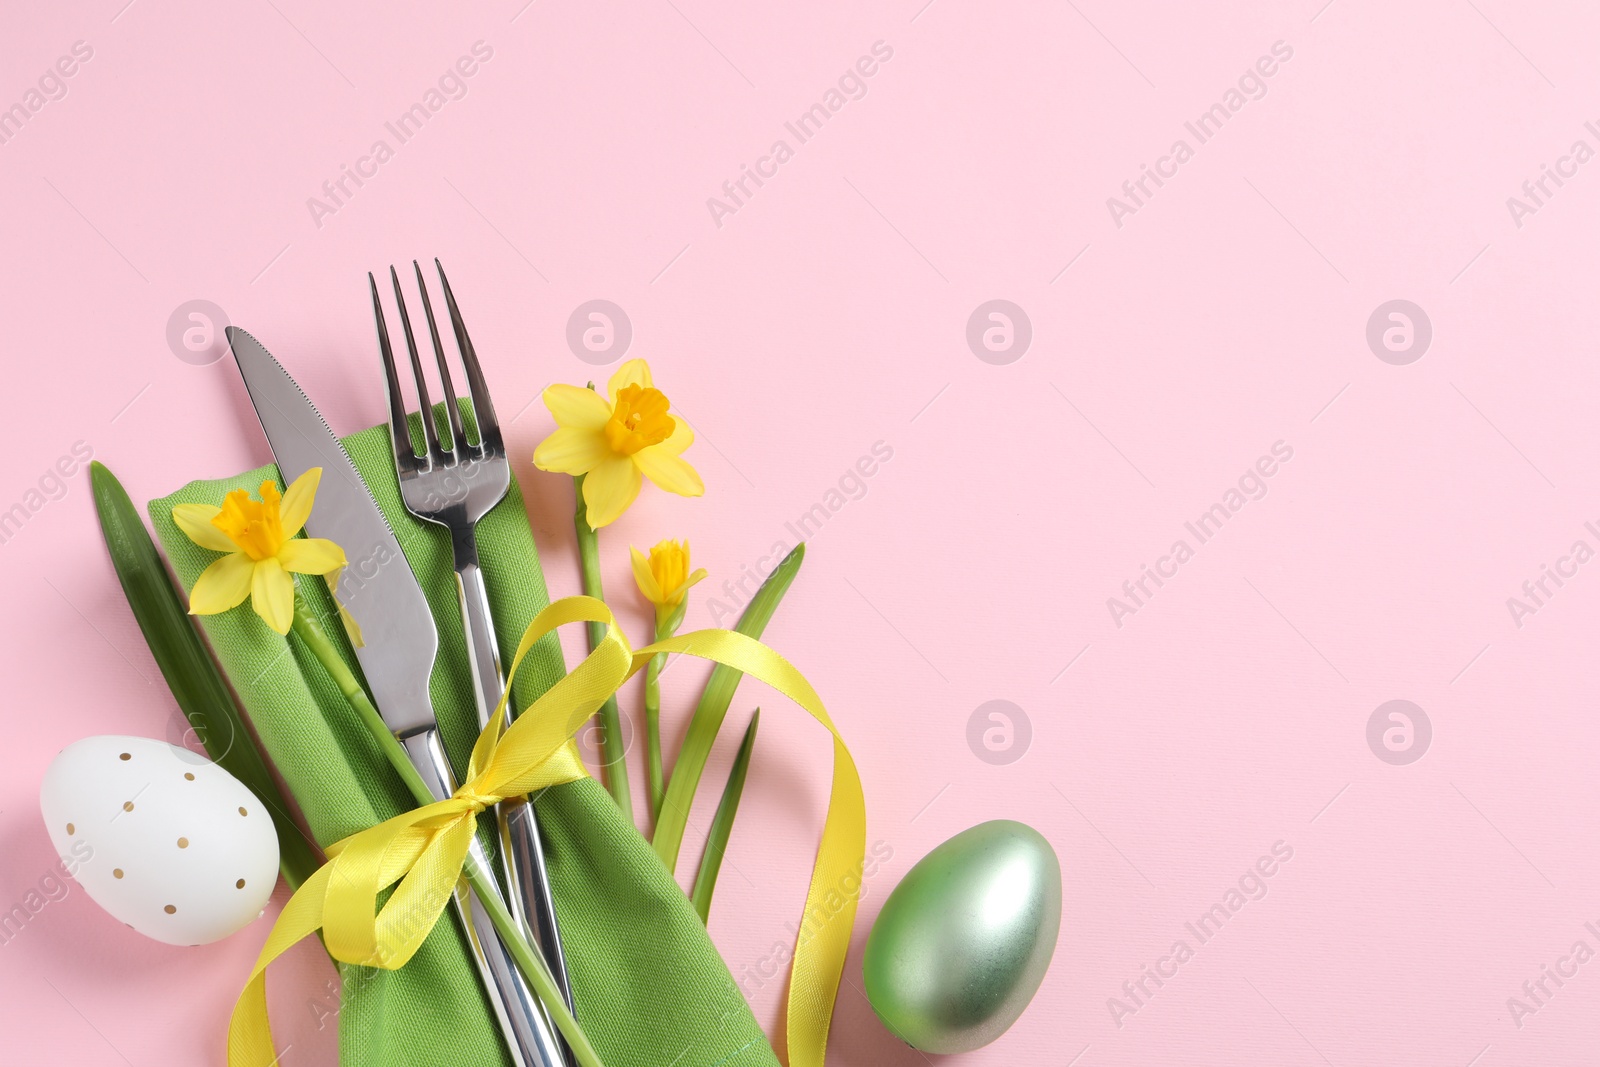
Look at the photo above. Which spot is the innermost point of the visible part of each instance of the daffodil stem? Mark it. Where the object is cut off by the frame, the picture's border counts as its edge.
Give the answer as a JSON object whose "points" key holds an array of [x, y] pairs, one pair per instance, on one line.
{"points": [[532, 965], [612, 750], [529, 962], [652, 721], [309, 629], [712, 709]]}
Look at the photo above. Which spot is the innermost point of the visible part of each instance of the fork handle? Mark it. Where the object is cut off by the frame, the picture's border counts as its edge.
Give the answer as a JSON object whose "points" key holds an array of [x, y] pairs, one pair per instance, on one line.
{"points": [[521, 849], [530, 1038], [488, 682]]}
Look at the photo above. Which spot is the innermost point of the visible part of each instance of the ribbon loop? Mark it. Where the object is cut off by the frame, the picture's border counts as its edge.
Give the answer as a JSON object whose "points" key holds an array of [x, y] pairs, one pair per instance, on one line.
{"points": [[424, 849]]}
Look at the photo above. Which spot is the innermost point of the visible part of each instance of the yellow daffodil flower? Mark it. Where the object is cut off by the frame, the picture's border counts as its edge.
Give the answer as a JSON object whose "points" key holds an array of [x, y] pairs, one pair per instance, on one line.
{"points": [[616, 445], [664, 578], [259, 537]]}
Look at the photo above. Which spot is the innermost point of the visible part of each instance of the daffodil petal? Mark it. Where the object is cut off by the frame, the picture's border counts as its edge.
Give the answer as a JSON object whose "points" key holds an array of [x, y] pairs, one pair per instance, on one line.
{"points": [[580, 408], [272, 595], [222, 585], [609, 488], [668, 470], [633, 372], [195, 521], [297, 500], [311, 555], [352, 628], [571, 450], [645, 577], [693, 578], [682, 437]]}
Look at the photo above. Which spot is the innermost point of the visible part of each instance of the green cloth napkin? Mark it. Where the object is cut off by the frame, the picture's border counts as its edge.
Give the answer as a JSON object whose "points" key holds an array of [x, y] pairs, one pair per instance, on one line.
{"points": [[649, 986]]}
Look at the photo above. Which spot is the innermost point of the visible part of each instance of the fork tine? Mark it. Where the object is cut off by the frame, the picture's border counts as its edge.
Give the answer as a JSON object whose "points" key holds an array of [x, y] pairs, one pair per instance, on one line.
{"points": [[430, 429], [452, 408], [482, 408], [405, 455]]}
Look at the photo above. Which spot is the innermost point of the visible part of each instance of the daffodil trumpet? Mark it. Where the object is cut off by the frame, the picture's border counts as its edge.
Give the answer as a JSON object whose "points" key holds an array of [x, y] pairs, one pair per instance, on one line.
{"points": [[610, 445], [262, 550], [664, 578], [615, 444]]}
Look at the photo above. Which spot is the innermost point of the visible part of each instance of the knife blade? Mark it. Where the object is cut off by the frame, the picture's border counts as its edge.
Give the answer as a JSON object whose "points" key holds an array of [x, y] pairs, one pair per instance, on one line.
{"points": [[382, 594]]}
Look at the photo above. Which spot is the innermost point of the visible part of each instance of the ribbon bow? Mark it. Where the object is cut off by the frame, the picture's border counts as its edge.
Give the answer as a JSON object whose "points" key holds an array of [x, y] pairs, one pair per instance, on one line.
{"points": [[424, 849]]}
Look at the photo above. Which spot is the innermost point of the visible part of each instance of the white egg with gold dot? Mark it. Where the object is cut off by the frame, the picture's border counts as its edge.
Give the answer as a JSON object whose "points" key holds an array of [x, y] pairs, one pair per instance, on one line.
{"points": [[163, 839]]}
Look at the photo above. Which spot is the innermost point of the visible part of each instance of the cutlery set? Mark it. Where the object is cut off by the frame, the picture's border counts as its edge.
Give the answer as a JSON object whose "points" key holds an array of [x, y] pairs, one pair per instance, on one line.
{"points": [[459, 474]]}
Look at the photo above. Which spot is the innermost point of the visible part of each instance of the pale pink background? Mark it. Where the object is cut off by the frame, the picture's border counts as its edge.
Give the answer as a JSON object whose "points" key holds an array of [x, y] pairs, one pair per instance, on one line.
{"points": [[829, 313]]}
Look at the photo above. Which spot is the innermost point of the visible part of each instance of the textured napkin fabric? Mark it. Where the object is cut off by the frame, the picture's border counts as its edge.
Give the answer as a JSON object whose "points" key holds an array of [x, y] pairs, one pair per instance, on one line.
{"points": [[650, 987]]}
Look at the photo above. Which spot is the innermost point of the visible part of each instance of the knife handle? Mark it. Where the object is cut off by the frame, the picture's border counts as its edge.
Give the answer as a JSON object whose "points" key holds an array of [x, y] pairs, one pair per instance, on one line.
{"points": [[521, 850], [528, 1034]]}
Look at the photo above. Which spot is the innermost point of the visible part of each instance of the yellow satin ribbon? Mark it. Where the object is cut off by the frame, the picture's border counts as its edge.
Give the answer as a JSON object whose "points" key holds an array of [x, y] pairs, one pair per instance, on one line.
{"points": [[424, 849]]}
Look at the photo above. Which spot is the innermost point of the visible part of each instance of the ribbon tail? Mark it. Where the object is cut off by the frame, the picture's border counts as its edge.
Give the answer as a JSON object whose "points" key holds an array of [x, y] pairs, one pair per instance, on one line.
{"points": [[835, 890], [831, 901], [249, 1031], [424, 848]]}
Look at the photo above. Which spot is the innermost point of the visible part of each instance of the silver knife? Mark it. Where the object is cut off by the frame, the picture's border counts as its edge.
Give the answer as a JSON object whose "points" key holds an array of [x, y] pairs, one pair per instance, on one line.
{"points": [[381, 593]]}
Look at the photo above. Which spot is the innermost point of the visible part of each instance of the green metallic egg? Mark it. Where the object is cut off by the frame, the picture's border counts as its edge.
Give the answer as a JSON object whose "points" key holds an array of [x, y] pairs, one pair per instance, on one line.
{"points": [[963, 942]]}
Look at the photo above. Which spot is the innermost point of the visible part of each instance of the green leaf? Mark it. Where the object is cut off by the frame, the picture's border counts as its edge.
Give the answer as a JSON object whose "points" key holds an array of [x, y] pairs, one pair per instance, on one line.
{"points": [[705, 882], [713, 708], [196, 682]]}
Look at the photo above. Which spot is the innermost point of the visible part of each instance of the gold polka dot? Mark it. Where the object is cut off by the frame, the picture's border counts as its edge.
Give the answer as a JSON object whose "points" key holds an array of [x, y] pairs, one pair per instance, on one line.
{"points": [[71, 829], [126, 756], [116, 872], [127, 805], [170, 910], [243, 812], [239, 884], [183, 842], [189, 776]]}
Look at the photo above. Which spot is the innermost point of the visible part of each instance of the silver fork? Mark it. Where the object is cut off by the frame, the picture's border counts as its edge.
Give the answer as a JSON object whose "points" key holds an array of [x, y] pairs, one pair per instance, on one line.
{"points": [[455, 484]]}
